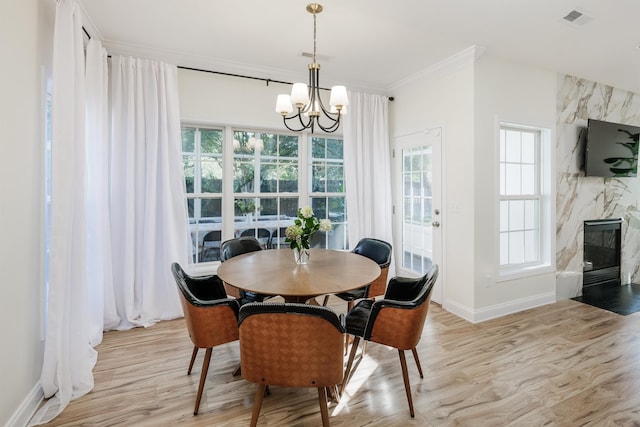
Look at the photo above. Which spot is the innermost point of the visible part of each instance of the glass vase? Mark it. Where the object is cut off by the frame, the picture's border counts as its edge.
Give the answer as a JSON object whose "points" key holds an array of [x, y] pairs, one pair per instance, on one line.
{"points": [[301, 255]]}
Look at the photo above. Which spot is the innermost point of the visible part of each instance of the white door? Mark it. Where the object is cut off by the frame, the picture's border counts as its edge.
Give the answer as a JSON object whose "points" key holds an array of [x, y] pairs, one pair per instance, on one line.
{"points": [[418, 213]]}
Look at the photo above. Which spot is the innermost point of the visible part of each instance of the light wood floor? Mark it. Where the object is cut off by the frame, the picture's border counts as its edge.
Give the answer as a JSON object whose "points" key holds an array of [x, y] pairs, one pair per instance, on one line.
{"points": [[565, 364]]}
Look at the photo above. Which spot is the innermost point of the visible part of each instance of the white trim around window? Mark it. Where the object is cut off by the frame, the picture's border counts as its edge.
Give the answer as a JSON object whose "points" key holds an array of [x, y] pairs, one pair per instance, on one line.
{"points": [[525, 198]]}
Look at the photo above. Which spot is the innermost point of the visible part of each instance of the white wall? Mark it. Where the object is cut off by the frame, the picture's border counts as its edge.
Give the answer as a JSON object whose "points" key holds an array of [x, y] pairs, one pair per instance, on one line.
{"points": [[444, 97], [215, 99], [506, 91], [26, 27], [468, 95]]}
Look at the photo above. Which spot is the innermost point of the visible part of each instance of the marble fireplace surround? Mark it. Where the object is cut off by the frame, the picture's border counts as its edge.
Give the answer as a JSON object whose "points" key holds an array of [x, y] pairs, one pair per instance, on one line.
{"points": [[580, 198]]}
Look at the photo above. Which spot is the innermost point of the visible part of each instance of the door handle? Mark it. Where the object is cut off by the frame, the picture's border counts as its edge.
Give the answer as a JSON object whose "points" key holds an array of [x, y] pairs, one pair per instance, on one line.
{"points": [[435, 223]]}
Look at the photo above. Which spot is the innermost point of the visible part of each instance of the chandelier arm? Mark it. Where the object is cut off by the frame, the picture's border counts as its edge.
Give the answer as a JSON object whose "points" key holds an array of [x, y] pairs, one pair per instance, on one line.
{"points": [[299, 115], [290, 128], [302, 123], [326, 112], [332, 127]]}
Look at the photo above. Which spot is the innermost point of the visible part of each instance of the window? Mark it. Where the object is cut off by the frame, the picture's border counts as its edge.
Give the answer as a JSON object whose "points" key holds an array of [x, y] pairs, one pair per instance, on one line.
{"points": [[328, 198], [265, 185], [202, 160], [524, 198], [251, 183]]}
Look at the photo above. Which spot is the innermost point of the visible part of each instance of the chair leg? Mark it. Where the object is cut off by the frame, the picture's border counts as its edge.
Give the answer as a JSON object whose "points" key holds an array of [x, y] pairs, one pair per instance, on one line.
{"points": [[237, 371], [203, 378], [405, 377], [324, 411], [257, 404], [347, 371], [347, 337], [332, 394], [193, 359], [417, 359], [325, 301]]}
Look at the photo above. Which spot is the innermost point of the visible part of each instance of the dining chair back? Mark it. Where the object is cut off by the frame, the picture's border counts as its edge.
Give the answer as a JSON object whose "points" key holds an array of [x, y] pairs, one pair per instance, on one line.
{"points": [[211, 317], [291, 345], [378, 251], [397, 321], [239, 246]]}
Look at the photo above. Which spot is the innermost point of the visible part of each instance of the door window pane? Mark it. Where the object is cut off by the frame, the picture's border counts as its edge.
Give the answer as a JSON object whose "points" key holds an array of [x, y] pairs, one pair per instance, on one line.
{"points": [[417, 231]]}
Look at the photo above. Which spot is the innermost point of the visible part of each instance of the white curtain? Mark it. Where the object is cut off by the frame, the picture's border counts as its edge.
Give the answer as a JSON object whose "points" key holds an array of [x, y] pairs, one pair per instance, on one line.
{"points": [[118, 213], [101, 301], [69, 356], [148, 210], [368, 172]]}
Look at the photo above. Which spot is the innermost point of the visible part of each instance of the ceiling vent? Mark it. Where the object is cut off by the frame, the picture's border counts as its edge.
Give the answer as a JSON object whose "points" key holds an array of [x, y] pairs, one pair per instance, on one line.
{"points": [[576, 17], [319, 58], [572, 16]]}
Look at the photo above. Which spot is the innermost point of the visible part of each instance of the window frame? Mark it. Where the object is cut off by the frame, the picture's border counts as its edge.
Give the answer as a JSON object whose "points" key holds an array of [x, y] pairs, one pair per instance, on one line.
{"points": [[542, 194], [305, 192]]}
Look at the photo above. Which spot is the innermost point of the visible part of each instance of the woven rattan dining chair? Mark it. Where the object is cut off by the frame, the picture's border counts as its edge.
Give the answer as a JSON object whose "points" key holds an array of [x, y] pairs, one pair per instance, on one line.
{"points": [[378, 251], [396, 320], [238, 246], [211, 317], [291, 345]]}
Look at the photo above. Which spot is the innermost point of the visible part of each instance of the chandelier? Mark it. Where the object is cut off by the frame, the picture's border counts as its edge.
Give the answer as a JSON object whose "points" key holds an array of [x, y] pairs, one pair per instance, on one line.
{"points": [[311, 112]]}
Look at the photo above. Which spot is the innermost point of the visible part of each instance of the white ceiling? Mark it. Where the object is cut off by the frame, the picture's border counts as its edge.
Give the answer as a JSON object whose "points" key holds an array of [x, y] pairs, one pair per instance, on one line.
{"points": [[373, 44]]}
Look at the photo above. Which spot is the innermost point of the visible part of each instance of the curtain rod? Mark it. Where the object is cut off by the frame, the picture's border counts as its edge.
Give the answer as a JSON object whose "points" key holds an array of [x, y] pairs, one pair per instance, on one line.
{"points": [[239, 75], [229, 74]]}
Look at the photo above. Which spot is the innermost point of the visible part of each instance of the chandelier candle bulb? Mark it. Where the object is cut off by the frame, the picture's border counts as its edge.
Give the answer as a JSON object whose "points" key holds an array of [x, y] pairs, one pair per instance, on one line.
{"points": [[299, 95], [338, 97], [283, 105]]}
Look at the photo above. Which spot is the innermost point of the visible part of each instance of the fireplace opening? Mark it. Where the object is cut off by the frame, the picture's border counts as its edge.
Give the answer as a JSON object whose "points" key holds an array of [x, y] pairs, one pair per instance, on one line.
{"points": [[602, 241]]}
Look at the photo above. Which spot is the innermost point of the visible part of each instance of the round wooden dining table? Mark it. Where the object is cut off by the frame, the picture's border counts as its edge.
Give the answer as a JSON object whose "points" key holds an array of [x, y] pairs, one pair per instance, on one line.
{"points": [[275, 272]]}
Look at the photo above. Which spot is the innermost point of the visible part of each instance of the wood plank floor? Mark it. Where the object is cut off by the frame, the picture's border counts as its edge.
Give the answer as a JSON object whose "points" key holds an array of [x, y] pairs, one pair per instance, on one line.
{"points": [[564, 364]]}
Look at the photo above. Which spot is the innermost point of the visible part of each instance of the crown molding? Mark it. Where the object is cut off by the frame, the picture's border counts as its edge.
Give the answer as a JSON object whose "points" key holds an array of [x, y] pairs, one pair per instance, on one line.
{"points": [[447, 66]]}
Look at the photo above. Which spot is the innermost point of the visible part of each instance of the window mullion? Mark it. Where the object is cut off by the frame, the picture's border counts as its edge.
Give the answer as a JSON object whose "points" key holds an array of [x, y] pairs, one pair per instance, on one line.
{"points": [[228, 216]]}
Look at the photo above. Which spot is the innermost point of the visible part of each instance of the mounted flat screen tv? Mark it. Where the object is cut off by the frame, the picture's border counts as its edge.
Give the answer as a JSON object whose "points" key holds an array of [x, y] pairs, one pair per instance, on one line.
{"points": [[611, 149]]}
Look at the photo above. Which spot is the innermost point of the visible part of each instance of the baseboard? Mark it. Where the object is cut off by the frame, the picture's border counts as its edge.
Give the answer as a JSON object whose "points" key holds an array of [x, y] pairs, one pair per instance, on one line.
{"points": [[499, 310], [27, 408], [459, 310]]}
